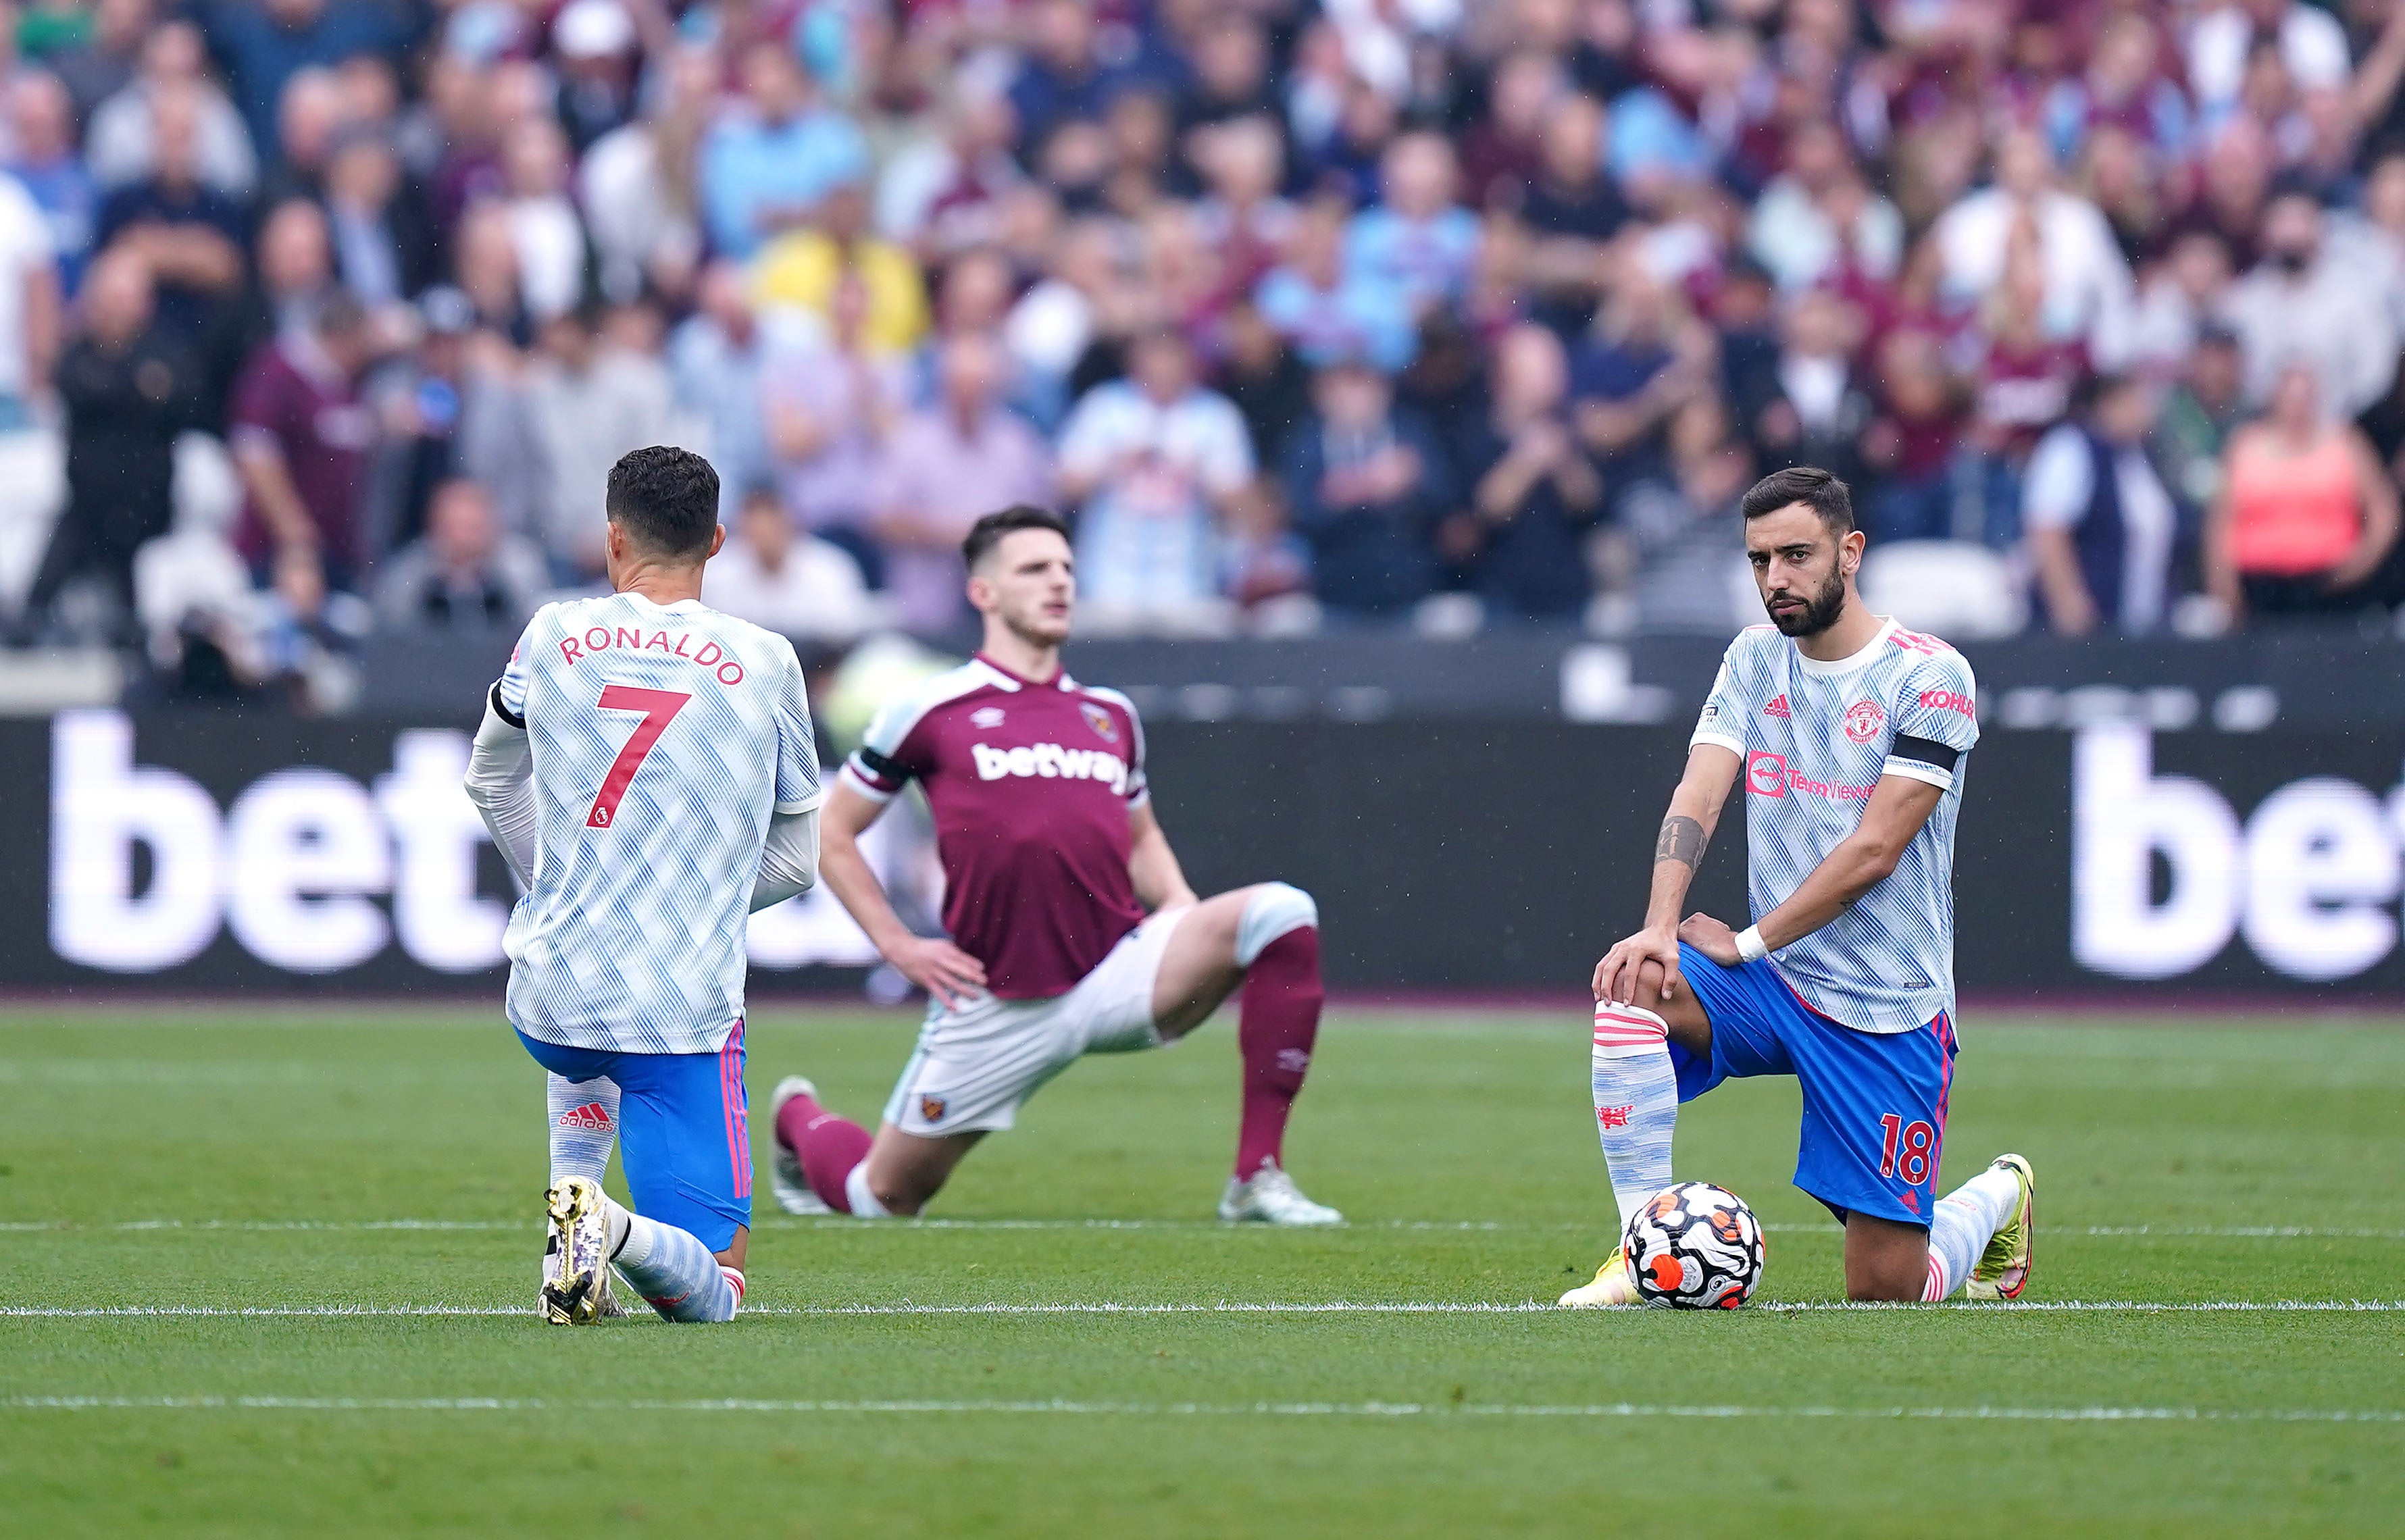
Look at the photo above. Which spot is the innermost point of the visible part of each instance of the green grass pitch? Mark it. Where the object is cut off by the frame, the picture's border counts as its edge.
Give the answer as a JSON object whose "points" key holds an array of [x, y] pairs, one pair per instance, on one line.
{"points": [[388, 1162]]}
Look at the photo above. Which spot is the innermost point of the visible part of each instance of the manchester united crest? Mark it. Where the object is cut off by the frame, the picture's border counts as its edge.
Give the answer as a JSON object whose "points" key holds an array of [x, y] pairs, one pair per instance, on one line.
{"points": [[1863, 719]]}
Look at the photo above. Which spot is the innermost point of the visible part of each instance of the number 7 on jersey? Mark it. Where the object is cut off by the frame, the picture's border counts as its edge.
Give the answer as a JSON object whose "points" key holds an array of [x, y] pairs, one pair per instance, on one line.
{"points": [[659, 708]]}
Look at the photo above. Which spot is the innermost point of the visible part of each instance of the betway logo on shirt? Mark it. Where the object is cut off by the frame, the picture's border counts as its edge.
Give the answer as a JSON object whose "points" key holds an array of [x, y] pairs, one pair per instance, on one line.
{"points": [[1052, 762]]}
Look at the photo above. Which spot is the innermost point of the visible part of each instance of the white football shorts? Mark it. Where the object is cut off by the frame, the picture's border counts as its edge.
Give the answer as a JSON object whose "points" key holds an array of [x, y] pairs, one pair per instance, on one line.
{"points": [[974, 1066]]}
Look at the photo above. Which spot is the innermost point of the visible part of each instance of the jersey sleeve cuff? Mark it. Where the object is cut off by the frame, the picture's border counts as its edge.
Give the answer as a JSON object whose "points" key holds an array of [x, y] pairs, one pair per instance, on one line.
{"points": [[1920, 770], [862, 784], [809, 803], [1720, 741]]}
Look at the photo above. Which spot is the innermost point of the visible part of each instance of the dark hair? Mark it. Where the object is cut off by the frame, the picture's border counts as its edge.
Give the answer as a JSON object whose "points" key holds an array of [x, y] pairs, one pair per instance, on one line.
{"points": [[1810, 485], [988, 532], [666, 500]]}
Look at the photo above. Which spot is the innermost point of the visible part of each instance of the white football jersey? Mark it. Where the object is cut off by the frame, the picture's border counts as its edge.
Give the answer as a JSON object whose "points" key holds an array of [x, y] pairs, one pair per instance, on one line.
{"points": [[661, 737], [1815, 739]]}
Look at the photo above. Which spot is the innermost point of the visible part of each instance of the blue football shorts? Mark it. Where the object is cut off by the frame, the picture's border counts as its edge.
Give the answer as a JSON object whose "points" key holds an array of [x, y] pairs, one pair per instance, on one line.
{"points": [[683, 1138], [1874, 1103]]}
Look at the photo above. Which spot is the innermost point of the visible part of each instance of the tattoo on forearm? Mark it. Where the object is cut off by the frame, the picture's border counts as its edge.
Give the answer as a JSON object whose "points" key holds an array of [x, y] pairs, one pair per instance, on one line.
{"points": [[1682, 840]]}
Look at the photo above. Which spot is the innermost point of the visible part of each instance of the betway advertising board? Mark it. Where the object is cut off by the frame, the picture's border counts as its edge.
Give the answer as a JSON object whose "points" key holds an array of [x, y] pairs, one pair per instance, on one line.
{"points": [[227, 853]]}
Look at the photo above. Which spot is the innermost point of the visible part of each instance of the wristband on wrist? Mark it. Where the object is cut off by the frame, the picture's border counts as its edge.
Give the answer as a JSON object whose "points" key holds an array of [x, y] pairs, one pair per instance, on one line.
{"points": [[1750, 948]]}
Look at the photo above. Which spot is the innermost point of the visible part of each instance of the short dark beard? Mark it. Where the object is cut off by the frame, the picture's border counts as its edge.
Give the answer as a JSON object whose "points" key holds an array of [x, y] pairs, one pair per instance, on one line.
{"points": [[1820, 611]]}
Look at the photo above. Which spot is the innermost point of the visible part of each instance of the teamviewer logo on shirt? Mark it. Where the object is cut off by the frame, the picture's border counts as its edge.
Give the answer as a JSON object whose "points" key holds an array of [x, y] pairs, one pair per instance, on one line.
{"points": [[1766, 772]]}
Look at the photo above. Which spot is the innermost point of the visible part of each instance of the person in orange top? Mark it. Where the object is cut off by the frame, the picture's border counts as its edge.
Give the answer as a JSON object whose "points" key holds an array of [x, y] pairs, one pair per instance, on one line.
{"points": [[2307, 515]]}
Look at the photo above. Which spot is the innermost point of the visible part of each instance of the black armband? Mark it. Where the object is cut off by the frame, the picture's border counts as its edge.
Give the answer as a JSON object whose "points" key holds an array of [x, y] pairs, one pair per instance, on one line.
{"points": [[504, 712], [1926, 750], [892, 770]]}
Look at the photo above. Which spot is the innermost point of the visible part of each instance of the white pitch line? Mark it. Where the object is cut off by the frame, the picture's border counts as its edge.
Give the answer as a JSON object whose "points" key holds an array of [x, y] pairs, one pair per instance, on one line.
{"points": [[778, 1222], [1105, 1307], [1367, 1409]]}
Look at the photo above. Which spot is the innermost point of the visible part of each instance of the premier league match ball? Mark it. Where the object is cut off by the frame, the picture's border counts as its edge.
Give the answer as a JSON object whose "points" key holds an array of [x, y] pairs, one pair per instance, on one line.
{"points": [[1694, 1247]]}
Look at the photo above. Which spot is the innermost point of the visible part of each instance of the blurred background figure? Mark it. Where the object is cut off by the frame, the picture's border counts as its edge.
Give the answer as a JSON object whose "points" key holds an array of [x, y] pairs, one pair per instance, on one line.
{"points": [[777, 576], [2307, 518], [129, 388], [466, 573]]}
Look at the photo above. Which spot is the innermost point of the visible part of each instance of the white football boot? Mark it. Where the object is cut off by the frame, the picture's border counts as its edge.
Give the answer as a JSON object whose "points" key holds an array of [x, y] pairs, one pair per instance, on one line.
{"points": [[1612, 1286], [1270, 1197], [587, 1230], [785, 1178]]}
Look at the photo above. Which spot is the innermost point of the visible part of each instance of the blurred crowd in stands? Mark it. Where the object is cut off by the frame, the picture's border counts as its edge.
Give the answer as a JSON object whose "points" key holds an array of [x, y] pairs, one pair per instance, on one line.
{"points": [[319, 316]]}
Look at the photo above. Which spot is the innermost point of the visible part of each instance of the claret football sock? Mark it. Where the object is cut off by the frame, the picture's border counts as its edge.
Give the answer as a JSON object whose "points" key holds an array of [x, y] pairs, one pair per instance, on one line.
{"points": [[826, 1147], [675, 1273], [1966, 1219], [583, 1126], [1635, 1102], [1278, 1021]]}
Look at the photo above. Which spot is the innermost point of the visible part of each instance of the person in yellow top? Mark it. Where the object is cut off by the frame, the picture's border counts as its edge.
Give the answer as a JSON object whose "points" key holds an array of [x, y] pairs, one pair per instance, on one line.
{"points": [[801, 270]]}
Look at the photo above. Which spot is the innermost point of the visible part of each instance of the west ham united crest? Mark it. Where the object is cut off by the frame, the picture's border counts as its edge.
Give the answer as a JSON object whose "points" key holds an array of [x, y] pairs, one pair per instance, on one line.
{"points": [[1100, 720], [931, 1107]]}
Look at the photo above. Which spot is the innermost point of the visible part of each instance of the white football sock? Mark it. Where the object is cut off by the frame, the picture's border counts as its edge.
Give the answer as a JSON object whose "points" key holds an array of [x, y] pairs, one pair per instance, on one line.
{"points": [[1635, 1102], [675, 1273], [584, 1124], [864, 1202], [1966, 1220]]}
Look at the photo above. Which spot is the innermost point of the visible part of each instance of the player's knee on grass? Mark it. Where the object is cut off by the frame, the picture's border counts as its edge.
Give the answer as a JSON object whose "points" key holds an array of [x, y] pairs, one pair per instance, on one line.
{"points": [[1885, 1261]]}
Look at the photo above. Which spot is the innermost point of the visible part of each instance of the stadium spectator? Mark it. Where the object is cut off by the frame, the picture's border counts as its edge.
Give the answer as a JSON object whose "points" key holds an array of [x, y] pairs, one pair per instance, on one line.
{"points": [[2307, 517], [264, 43], [765, 165], [42, 157], [1894, 244], [2100, 523], [591, 400], [129, 386], [466, 572], [189, 234], [1326, 309], [1154, 460], [302, 438], [1533, 492], [717, 359], [787, 579], [2084, 284], [830, 406], [944, 467], [100, 64], [1366, 486], [2319, 299], [122, 143], [1418, 242], [801, 270]]}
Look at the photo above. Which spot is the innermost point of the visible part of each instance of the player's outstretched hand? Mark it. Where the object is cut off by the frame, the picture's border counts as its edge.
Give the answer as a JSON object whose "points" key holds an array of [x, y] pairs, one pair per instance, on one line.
{"points": [[1616, 975], [1711, 938], [941, 969]]}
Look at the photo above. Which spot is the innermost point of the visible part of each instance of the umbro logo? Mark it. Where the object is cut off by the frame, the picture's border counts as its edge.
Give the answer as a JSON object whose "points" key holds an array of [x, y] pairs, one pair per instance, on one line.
{"points": [[1777, 707], [985, 716], [591, 1115]]}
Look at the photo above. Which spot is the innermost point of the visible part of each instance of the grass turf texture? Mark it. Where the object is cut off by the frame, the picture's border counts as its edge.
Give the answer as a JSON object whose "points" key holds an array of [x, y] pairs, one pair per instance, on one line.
{"points": [[1204, 1423]]}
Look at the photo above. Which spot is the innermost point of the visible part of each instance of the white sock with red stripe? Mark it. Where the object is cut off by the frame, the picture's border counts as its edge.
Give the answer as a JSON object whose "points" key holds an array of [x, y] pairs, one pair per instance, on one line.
{"points": [[584, 1124], [1966, 1220], [1635, 1102], [675, 1273]]}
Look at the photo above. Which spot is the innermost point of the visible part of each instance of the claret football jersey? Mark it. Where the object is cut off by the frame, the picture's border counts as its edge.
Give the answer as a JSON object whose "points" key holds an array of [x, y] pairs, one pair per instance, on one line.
{"points": [[1031, 783], [1815, 739], [661, 737]]}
